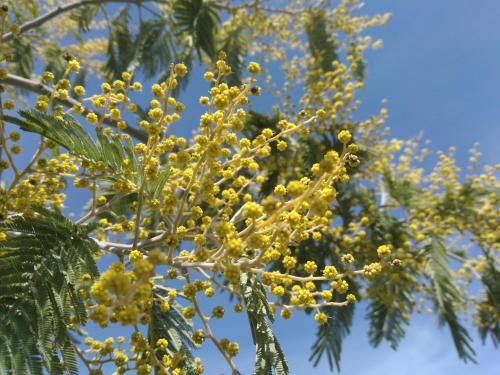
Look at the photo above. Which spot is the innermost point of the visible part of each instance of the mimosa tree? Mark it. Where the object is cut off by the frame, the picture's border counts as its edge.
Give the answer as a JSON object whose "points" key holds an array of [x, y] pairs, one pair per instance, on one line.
{"points": [[296, 208]]}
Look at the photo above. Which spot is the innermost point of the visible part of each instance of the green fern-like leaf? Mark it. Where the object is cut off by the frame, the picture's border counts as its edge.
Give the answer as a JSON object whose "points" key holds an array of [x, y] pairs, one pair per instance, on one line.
{"points": [[388, 319], [68, 133], [84, 16], [269, 355], [120, 41], [489, 318], [446, 295], [155, 49], [235, 45], [23, 57], [199, 19], [331, 335], [151, 49], [322, 45], [41, 267], [360, 70], [404, 192], [172, 326]]}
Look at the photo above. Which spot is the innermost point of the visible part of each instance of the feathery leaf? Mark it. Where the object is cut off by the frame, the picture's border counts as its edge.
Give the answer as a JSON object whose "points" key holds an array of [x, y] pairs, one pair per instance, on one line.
{"points": [[178, 331], [446, 295], [49, 255], [322, 45], [199, 19], [269, 355], [235, 45], [330, 336], [68, 133], [489, 315]]}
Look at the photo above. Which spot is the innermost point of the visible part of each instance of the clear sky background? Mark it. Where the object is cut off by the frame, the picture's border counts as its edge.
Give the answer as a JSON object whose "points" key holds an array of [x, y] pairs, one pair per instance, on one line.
{"points": [[440, 71]]}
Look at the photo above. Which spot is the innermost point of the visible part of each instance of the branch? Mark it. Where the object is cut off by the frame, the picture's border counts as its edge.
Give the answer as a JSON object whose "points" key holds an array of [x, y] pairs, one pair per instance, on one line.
{"points": [[44, 18], [94, 212], [209, 333], [39, 88], [226, 5]]}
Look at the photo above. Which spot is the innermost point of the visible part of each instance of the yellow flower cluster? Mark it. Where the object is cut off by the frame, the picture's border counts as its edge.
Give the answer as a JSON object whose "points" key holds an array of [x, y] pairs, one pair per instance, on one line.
{"points": [[208, 201]]}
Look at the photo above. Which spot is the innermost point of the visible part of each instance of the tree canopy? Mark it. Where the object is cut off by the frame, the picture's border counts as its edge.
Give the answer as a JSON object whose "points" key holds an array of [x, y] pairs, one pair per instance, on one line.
{"points": [[299, 207]]}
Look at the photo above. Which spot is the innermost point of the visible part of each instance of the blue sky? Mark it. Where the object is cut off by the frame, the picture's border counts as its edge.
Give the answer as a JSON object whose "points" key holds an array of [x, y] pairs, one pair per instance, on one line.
{"points": [[440, 71]]}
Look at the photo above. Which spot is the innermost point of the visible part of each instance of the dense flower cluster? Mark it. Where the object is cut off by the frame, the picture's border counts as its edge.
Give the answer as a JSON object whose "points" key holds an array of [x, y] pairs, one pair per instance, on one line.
{"points": [[206, 201]]}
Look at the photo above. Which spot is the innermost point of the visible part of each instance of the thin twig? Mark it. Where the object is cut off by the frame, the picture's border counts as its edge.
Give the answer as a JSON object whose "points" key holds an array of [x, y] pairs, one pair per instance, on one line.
{"points": [[104, 207], [209, 333]]}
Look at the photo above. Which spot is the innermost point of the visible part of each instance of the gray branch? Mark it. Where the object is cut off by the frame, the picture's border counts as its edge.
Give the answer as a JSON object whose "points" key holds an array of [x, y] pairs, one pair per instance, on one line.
{"points": [[44, 18], [39, 88]]}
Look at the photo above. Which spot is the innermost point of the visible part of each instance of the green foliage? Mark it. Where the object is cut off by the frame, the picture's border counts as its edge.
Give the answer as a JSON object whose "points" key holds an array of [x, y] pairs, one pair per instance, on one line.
{"points": [[120, 41], [22, 55], [18, 352], [385, 225], [360, 70], [447, 297], [352, 195], [153, 48], [321, 43], [41, 267], [235, 45], [84, 15], [24, 10], [489, 324], [255, 122], [389, 311], [55, 63], [172, 325], [110, 152], [403, 191], [199, 19], [269, 355], [67, 132], [150, 50], [330, 336]]}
